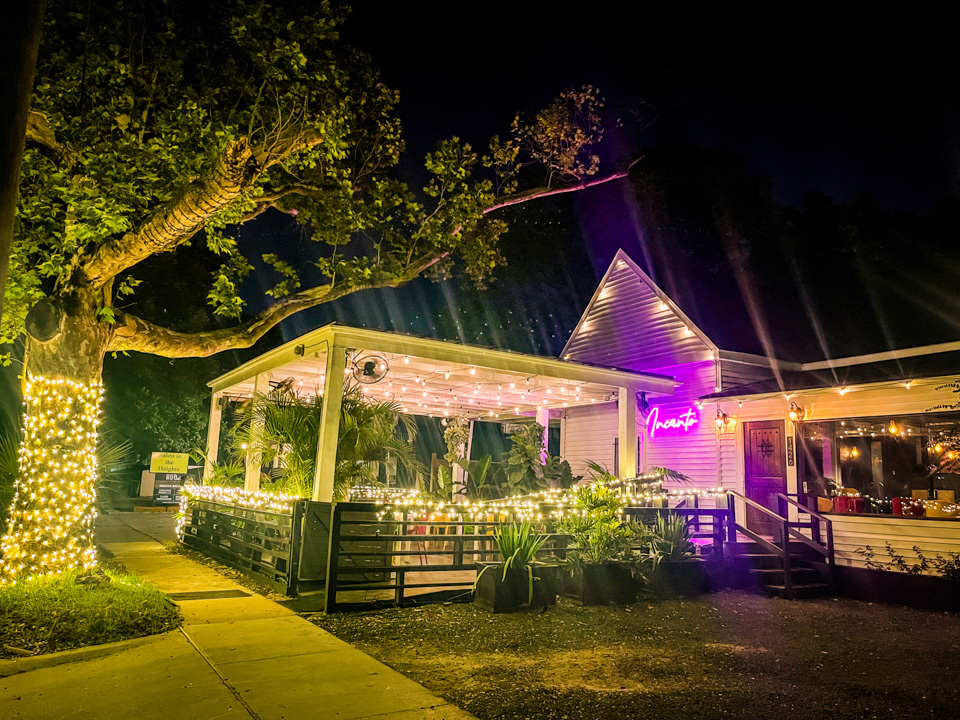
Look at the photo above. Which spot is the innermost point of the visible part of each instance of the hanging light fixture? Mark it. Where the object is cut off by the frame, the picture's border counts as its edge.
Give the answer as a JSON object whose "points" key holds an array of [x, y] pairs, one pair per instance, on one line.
{"points": [[796, 412]]}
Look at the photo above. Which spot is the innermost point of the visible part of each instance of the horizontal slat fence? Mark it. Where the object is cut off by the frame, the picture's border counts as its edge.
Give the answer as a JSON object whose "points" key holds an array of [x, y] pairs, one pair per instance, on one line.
{"points": [[263, 544], [418, 561]]}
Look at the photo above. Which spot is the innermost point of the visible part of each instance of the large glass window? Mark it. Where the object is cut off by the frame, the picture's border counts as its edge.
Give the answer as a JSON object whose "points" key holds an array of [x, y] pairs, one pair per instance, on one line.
{"points": [[881, 457]]}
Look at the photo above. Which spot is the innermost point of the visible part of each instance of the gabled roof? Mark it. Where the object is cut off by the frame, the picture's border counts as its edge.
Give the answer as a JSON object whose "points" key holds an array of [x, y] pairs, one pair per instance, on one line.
{"points": [[631, 323]]}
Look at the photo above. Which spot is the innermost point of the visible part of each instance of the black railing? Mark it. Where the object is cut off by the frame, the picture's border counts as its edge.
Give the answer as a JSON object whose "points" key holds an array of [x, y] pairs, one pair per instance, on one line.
{"points": [[359, 576], [705, 523], [264, 544], [785, 529]]}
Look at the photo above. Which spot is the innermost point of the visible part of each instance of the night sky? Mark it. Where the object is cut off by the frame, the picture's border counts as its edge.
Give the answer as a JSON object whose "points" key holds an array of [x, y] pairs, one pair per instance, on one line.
{"points": [[809, 103]]}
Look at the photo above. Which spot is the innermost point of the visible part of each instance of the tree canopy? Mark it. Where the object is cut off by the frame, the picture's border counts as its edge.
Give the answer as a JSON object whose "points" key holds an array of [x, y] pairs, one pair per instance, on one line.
{"points": [[160, 124]]}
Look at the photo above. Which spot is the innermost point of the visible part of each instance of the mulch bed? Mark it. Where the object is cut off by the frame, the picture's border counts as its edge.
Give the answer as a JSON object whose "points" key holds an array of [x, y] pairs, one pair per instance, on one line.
{"points": [[726, 655]]}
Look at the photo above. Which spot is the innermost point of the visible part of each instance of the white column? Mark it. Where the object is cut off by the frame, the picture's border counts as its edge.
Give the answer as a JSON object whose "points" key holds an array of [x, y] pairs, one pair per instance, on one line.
{"points": [[213, 436], [251, 461], [326, 462], [543, 419], [627, 411]]}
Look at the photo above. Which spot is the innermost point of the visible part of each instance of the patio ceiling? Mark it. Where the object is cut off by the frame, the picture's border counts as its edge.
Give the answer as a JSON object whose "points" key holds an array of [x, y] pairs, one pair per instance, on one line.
{"points": [[432, 377]]}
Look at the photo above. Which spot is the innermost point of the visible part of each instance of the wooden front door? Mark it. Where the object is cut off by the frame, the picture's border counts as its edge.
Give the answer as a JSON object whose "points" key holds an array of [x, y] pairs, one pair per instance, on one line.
{"points": [[765, 472]]}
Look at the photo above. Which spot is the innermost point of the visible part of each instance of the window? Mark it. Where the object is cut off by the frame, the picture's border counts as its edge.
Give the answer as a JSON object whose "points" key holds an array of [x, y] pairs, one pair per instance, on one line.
{"points": [[880, 457]]}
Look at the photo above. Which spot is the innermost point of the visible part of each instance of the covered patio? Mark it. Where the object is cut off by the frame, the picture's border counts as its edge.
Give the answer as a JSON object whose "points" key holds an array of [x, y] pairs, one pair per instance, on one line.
{"points": [[426, 377]]}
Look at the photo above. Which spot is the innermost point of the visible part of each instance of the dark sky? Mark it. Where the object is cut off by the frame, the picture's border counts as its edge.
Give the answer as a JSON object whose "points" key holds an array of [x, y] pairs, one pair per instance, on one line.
{"points": [[847, 106], [818, 102]]}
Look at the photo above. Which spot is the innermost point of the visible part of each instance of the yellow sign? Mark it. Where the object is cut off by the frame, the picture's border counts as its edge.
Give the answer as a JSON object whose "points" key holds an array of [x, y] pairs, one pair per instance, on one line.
{"points": [[173, 463]]}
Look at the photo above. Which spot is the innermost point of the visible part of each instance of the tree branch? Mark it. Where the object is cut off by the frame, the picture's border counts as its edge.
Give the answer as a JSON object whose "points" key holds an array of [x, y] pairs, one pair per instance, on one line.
{"points": [[547, 192], [178, 221], [40, 132], [134, 333]]}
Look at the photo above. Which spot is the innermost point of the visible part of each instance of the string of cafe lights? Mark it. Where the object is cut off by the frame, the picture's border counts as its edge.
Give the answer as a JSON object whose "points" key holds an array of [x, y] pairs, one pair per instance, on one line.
{"points": [[406, 503], [51, 518]]}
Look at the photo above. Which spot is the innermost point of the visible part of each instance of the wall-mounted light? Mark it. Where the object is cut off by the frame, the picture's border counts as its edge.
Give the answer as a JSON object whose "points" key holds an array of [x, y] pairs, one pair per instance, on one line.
{"points": [[722, 419], [796, 412]]}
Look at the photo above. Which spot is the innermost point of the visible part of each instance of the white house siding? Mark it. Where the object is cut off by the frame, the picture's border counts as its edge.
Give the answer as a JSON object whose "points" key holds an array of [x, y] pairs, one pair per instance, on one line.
{"points": [[696, 452], [587, 433], [933, 537], [734, 373]]}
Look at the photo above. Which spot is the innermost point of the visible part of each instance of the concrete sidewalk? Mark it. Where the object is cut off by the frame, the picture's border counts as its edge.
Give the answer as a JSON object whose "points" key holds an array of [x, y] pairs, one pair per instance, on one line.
{"points": [[238, 655]]}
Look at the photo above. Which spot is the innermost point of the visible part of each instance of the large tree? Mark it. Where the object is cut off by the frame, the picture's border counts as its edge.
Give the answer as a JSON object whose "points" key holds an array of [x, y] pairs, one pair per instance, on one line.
{"points": [[157, 124]]}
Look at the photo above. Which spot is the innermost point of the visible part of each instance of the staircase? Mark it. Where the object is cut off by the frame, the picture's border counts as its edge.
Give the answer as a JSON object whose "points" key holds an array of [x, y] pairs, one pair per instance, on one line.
{"points": [[751, 567], [798, 565]]}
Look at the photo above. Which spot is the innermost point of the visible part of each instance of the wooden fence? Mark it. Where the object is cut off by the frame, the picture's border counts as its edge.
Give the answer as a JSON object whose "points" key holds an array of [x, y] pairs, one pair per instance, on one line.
{"points": [[264, 544]]}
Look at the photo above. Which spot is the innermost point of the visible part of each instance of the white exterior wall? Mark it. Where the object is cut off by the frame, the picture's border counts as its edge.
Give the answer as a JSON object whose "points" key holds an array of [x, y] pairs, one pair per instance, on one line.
{"points": [[587, 433], [933, 537], [694, 452]]}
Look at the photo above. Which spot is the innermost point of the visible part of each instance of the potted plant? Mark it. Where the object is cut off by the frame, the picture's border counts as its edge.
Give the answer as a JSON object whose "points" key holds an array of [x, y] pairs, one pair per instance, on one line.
{"points": [[603, 567], [677, 572], [514, 582]]}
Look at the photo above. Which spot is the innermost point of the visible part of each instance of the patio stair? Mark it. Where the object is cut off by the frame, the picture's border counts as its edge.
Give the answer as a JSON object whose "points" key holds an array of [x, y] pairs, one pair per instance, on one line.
{"points": [[752, 567]]}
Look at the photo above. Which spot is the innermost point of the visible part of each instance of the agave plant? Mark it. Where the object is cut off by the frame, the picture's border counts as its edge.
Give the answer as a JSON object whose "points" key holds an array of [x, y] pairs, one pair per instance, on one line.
{"points": [[670, 538], [285, 429], [518, 547]]}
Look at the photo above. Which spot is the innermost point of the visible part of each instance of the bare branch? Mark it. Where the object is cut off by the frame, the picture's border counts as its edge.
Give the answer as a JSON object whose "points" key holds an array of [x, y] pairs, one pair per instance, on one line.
{"points": [[548, 191], [134, 333]]}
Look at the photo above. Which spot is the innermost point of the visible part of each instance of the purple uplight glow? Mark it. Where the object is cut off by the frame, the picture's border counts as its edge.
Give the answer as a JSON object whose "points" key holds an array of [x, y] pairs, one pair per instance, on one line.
{"points": [[683, 422]]}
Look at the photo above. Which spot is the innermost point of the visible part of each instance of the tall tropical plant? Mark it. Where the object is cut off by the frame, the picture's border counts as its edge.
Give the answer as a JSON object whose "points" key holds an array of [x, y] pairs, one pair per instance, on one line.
{"points": [[285, 429]]}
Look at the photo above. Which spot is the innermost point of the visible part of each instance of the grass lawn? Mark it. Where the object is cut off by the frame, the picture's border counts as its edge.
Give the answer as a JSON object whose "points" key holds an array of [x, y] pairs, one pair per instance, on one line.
{"points": [[727, 655], [59, 613]]}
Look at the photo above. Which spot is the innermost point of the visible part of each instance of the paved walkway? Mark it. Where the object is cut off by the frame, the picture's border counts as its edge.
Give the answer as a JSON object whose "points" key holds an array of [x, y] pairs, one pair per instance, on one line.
{"points": [[238, 655]]}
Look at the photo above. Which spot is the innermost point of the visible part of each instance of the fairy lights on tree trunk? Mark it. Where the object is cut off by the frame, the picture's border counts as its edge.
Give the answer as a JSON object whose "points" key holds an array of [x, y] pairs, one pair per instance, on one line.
{"points": [[51, 518]]}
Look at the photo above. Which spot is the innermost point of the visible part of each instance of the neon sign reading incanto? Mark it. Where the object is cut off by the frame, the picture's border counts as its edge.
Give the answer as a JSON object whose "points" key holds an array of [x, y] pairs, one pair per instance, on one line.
{"points": [[684, 421]]}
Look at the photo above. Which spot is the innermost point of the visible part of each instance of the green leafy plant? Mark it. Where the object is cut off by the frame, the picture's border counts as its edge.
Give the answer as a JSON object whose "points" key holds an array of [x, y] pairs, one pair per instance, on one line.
{"points": [[670, 538], [529, 468], [948, 567], [518, 547], [482, 479], [597, 532]]}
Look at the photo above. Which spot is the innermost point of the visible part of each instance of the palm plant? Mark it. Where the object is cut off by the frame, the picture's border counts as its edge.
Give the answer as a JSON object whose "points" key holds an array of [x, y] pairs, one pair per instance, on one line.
{"points": [[285, 429]]}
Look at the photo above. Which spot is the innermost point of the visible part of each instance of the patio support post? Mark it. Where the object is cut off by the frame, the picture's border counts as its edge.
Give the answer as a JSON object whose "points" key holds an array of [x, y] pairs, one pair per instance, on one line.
{"points": [[213, 436], [543, 419], [627, 411], [252, 459], [326, 462]]}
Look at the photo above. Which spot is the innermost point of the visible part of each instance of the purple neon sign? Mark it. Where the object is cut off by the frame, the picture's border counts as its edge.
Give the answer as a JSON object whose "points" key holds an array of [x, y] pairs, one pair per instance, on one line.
{"points": [[683, 422]]}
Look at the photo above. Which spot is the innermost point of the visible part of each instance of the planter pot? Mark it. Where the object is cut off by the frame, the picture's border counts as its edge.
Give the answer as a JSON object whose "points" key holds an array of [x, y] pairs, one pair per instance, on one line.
{"points": [[605, 584], [679, 578], [498, 594], [546, 585]]}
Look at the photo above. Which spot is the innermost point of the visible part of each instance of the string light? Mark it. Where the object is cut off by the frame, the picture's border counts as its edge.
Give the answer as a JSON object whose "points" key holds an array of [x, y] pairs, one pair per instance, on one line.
{"points": [[51, 518]]}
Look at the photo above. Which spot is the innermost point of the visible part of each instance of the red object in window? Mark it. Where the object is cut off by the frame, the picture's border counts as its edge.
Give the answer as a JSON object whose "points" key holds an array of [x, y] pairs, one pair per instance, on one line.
{"points": [[897, 504], [857, 505], [842, 504]]}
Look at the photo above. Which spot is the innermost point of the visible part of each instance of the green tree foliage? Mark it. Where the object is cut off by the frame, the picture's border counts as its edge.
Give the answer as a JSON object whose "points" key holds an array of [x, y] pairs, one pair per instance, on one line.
{"points": [[150, 127]]}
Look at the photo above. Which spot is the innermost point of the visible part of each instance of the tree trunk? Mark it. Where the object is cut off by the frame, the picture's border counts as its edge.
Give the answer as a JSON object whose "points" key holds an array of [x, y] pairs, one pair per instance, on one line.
{"points": [[50, 526]]}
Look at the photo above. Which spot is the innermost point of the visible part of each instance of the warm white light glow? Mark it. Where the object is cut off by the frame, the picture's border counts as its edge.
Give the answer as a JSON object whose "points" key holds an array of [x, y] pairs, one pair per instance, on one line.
{"points": [[50, 526]]}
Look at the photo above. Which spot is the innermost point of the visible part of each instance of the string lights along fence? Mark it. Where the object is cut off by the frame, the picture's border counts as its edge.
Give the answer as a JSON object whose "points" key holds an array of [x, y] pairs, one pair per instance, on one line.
{"points": [[50, 527]]}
